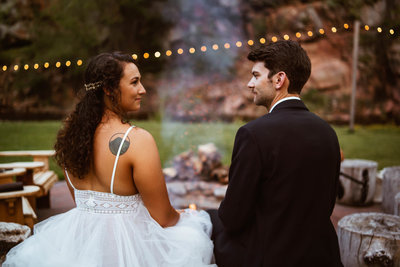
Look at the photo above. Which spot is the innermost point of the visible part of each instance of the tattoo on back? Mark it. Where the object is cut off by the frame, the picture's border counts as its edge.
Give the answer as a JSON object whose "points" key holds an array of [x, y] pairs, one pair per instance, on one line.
{"points": [[115, 142]]}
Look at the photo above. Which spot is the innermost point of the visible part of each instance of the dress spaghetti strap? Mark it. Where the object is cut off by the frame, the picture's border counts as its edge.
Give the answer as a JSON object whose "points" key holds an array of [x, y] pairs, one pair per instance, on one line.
{"points": [[116, 159], [69, 180]]}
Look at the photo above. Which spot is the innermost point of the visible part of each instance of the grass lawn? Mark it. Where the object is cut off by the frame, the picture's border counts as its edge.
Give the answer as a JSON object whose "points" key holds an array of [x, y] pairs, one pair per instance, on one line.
{"points": [[380, 143]]}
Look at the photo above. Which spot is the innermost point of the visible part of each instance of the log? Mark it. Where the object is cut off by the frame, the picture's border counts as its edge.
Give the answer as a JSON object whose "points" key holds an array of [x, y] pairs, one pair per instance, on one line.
{"points": [[357, 181], [369, 239], [390, 187], [210, 159]]}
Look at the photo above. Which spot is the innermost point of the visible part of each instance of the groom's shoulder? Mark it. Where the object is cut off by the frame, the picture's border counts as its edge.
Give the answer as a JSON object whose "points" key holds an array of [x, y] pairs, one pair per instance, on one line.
{"points": [[261, 121]]}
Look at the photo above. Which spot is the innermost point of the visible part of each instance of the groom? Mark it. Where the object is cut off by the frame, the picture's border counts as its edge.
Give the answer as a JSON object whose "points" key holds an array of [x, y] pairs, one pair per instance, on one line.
{"points": [[284, 173]]}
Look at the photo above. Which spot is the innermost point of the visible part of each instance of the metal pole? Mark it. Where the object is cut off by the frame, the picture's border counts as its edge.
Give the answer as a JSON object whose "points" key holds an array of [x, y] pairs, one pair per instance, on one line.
{"points": [[354, 74]]}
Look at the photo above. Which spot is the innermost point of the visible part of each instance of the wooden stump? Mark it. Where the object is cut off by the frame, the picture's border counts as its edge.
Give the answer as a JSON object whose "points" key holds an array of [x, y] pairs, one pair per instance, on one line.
{"points": [[11, 234], [361, 190], [397, 204], [369, 239], [390, 187]]}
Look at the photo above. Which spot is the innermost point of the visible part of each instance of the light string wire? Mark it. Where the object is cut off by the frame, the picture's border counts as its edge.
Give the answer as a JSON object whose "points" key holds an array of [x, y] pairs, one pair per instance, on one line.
{"points": [[203, 48]]}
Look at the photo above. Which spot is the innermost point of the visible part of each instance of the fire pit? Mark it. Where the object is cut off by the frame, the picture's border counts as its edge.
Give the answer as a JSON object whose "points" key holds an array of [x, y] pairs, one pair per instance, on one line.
{"points": [[197, 178]]}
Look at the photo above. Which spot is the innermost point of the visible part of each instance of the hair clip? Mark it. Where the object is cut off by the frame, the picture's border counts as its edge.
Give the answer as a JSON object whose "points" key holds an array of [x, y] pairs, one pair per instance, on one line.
{"points": [[92, 86]]}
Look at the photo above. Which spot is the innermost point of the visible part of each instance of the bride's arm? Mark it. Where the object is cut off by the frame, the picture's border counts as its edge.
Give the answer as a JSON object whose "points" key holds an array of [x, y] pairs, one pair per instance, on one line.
{"points": [[149, 179]]}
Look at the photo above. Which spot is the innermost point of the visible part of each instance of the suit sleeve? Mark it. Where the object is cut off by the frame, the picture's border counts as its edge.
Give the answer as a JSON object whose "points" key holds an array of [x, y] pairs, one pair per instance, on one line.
{"points": [[244, 176]]}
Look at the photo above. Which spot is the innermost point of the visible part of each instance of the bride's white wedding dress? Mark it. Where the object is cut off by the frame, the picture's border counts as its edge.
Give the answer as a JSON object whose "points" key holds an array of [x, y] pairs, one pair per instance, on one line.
{"points": [[106, 229]]}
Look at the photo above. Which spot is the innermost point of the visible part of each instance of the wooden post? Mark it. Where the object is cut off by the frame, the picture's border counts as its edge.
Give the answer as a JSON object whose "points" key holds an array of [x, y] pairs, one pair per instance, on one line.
{"points": [[390, 187], [354, 74], [369, 239]]}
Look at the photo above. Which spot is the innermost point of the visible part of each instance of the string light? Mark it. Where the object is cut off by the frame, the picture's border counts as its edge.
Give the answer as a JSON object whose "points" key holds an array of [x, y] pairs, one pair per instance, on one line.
{"points": [[203, 48]]}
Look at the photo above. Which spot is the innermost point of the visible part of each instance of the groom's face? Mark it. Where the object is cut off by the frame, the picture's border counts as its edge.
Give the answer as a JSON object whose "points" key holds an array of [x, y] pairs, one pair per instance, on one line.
{"points": [[261, 86]]}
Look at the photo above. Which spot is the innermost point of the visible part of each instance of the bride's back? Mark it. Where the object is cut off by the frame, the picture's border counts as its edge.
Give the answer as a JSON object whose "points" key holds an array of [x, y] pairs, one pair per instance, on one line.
{"points": [[106, 142]]}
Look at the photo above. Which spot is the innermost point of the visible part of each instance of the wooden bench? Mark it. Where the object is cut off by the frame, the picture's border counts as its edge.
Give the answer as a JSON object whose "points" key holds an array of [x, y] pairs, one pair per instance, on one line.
{"points": [[42, 177], [15, 207]]}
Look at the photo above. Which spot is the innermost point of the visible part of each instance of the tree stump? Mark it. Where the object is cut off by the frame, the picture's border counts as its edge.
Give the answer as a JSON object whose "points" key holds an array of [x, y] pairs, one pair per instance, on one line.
{"points": [[357, 181], [390, 187], [397, 204], [369, 239], [11, 234]]}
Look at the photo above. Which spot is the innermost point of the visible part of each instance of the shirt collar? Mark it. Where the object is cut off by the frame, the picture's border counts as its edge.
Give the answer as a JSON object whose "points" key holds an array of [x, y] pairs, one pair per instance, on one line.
{"points": [[284, 99]]}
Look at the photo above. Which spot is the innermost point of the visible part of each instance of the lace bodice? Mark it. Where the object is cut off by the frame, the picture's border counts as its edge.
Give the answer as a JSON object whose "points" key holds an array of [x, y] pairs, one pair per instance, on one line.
{"points": [[102, 202]]}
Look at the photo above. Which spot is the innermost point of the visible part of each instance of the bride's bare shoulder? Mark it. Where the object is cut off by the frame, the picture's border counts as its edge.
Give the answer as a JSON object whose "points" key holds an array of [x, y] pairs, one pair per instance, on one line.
{"points": [[141, 136]]}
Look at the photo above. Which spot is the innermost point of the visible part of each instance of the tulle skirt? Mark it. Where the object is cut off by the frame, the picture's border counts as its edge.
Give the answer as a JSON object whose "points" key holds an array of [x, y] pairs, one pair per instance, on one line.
{"points": [[82, 238]]}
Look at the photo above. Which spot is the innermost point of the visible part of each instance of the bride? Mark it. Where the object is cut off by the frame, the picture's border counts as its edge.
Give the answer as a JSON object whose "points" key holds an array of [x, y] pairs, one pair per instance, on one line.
{"points": [[123, 216]]}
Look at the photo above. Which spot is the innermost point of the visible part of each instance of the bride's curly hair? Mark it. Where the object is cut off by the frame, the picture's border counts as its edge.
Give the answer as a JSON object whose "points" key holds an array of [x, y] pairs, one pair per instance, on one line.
{"points": [[74, 145]]}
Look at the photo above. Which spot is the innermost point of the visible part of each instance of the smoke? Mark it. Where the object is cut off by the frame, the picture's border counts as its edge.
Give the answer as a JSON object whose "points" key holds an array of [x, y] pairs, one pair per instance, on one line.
{"points": [[191, 84]]}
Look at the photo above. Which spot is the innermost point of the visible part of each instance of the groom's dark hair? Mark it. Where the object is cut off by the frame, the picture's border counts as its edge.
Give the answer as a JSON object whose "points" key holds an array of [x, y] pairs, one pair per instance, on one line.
{"points": [[286, 56]]}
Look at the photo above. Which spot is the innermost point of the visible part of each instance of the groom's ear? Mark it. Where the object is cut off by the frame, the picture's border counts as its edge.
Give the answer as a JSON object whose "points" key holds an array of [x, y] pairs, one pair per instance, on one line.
{"points": [[280, 79]]}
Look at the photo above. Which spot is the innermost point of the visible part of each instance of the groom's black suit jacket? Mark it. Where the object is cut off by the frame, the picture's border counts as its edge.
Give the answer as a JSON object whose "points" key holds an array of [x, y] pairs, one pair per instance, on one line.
{"points": [[282, 189]]}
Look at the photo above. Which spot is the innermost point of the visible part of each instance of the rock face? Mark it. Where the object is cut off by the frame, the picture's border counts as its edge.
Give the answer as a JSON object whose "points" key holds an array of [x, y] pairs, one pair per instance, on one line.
{"points": [[211, 85], [16, 23]]}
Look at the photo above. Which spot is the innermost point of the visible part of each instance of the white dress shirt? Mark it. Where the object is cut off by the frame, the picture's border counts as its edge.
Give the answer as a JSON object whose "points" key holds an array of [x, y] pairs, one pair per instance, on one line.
{"points": [[284, 99]]}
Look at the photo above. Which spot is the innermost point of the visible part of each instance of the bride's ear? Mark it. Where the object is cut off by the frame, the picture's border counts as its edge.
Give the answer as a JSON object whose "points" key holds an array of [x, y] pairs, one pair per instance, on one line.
{"points": [[106, 91], [280, 79]]}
